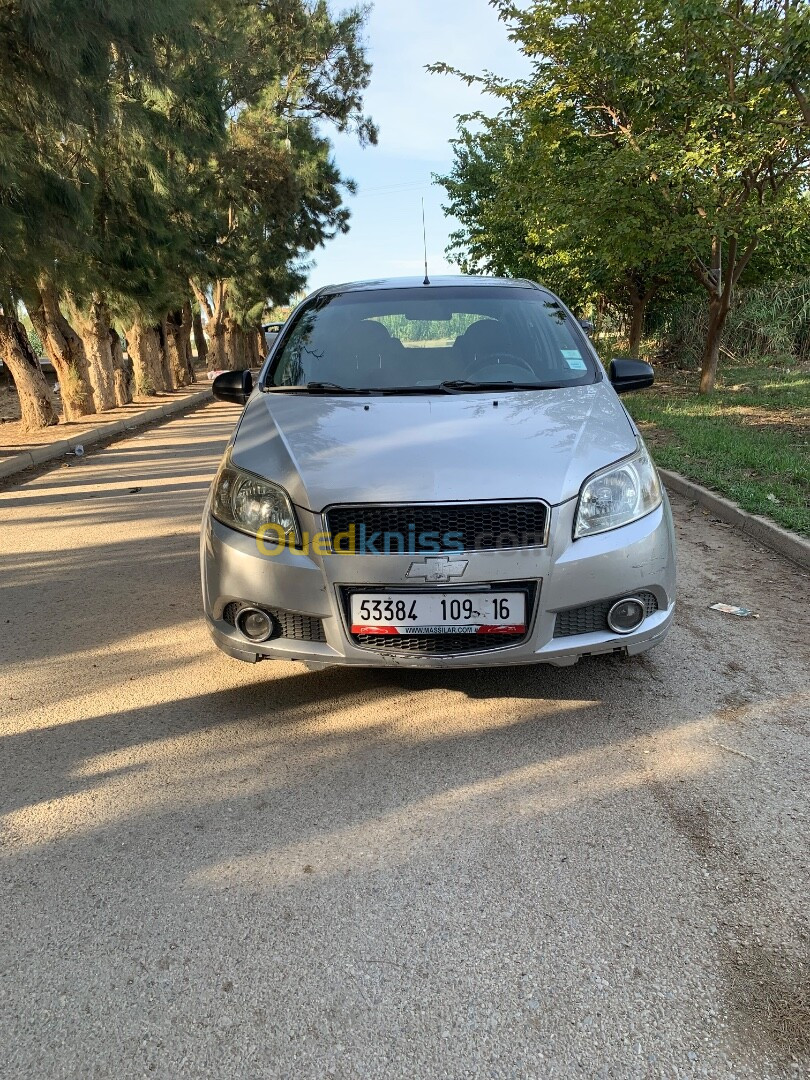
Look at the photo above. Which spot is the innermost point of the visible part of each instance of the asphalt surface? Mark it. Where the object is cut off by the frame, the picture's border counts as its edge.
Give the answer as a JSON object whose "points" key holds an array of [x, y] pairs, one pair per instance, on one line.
{"points": [[210, 869]]}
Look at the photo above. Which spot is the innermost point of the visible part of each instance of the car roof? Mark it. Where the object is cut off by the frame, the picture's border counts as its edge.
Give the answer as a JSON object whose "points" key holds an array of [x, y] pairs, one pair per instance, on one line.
{"points": [[443, 281]]}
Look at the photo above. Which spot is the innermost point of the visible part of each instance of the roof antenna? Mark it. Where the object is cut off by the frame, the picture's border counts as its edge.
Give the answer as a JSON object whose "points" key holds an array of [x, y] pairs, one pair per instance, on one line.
{"points": [[424, 240]]}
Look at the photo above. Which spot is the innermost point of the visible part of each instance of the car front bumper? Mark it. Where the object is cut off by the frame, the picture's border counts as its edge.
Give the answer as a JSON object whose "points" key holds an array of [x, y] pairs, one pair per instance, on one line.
{"points": [[566, 574]]}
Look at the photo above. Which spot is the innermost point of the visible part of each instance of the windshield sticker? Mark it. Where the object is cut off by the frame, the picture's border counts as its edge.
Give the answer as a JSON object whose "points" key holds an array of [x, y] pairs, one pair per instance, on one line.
{"points": [[573, 357]]}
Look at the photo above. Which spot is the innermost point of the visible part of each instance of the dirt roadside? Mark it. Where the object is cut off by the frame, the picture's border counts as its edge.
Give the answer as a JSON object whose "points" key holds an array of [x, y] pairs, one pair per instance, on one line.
{"points": [[13, 439]]}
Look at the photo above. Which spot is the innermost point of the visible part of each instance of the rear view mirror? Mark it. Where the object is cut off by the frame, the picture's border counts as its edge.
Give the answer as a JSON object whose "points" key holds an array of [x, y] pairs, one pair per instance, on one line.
{"points": [[629, 375], [235, 386], [587, 326]]}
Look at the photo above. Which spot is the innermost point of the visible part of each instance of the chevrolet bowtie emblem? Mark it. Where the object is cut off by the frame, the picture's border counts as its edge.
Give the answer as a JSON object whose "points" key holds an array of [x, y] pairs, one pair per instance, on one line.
{"points": [[441, 568]]}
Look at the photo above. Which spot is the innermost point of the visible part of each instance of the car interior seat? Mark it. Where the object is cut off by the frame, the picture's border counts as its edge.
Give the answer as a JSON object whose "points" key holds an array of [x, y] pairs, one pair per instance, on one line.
{"points": [[488, 337], [368, 350]]}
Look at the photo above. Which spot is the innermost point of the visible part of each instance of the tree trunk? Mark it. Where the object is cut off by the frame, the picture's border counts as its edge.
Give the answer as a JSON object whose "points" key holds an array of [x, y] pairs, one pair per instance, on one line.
{"points": [[144, 348], [237, 353], [719, 288], [188, 329], [718, 312], [260, 347], [218, 320], [94, 327], [217, 352], [199, 336], [253, 357], [165, 365], [64, 348], [638, 311], [36, 401], [122, 370], [175, 335]]}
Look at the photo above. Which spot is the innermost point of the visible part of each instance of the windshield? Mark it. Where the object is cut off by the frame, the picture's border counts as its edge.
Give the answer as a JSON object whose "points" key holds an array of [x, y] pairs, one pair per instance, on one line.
{"points": [[455, 338]]}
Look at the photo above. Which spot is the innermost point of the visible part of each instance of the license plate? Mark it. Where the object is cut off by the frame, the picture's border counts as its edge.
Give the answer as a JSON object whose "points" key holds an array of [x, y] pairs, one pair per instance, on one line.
{"points": [[438, 613]]}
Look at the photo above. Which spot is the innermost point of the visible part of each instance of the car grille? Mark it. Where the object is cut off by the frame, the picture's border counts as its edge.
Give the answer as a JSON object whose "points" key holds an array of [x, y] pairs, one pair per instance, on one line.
{"points": [[475, 527], [292, 625], [442, 644], [437, 644], [592, 619]]}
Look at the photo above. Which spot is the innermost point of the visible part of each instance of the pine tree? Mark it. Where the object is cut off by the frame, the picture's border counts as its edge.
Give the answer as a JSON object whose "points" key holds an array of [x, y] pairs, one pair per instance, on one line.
{"points": [[276, 192], [146, 148], [75, 83]]}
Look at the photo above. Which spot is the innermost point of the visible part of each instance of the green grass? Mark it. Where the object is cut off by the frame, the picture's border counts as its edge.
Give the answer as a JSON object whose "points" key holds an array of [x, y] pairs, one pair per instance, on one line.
{"points": [[749, 441]]}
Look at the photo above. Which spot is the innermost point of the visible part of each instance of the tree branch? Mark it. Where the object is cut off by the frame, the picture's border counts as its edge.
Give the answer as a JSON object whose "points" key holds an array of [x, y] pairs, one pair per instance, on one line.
{"points": [[700, 272], [804, 104], [202, 299], [731, 263], [745, 258]]}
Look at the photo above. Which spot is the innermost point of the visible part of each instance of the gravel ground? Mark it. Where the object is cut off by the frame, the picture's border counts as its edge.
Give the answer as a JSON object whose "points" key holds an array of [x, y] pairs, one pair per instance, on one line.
{"points": [[216, 870]]}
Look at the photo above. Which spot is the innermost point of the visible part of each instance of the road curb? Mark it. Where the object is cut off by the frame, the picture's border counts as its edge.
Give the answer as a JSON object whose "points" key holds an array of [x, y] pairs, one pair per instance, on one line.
{"points": [[40, 455], [766, 532]]}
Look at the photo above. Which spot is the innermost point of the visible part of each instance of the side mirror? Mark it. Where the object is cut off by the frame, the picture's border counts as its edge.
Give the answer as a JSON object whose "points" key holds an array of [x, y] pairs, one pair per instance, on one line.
{"points": [[629, 375], [235, 386], [587, 325]]}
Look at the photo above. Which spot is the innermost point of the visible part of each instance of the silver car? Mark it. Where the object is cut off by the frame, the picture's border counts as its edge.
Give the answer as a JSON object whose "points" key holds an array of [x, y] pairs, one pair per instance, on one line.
{"points": [[436, 474]]}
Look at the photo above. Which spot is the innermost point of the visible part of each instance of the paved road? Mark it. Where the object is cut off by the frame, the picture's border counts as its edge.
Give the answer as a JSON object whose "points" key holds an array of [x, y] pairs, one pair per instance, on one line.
{"points": [[221, 871]]}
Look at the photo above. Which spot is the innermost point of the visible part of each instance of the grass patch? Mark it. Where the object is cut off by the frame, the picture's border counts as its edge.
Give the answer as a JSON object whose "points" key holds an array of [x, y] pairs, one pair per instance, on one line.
{"points": [[749, 441]]}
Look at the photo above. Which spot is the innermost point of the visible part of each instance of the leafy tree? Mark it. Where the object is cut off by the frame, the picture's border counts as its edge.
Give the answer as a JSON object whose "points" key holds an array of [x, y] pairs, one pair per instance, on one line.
{"points": [[144, 147], [274, 187], [683, 130], [151, 216], [56, 103], [538, 198], [490, 193]]}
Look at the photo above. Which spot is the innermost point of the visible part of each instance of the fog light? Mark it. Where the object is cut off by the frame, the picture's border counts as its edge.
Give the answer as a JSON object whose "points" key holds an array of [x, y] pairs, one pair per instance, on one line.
{"points": [[626, 615], [254, 623]]}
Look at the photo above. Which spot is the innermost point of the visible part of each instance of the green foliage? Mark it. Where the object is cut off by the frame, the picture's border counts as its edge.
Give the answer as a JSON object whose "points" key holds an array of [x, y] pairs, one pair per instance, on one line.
{"points": [[34, 338], [274, 191], [56, 100], [536, 198], [409, 330], [489, 192], [654, 138], [748, 441], [141, 145], [765, 322]]}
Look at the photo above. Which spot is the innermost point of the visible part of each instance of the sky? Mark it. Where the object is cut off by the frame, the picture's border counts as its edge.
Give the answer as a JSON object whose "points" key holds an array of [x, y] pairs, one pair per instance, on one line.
{"points": [[415, 112]]}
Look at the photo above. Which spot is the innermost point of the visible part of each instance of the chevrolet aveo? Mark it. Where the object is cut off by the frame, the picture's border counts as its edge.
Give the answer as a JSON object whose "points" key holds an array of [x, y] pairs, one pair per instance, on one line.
{"points": [[436, 475]]}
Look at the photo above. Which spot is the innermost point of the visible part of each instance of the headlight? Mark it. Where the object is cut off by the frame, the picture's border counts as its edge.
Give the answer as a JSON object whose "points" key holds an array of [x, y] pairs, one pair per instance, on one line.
{"points": [[247, 502], [618, 495]]}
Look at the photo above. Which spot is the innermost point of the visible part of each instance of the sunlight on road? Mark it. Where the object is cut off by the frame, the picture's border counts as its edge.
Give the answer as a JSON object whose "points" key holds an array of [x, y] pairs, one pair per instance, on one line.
{"points": [[504, 837], [131, 783]]}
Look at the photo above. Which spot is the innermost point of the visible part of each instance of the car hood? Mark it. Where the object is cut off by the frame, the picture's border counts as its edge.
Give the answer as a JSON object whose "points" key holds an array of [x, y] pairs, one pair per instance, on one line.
{"points": [[534, 444]]}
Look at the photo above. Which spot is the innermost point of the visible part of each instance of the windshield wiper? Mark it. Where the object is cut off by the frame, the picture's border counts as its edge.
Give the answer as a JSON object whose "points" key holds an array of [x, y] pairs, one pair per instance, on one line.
{"points": [[451, 386], [460, 385], [410, 390], [318, 388], [336, 388]]}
